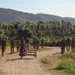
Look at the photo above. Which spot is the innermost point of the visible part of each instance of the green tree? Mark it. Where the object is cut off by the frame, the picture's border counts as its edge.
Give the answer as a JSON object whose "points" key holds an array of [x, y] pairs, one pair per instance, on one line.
{"points": [[24, 33]]}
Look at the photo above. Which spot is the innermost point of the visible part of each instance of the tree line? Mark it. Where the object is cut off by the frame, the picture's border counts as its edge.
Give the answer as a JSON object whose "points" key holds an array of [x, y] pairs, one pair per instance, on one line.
{"points": [[28, 29]]}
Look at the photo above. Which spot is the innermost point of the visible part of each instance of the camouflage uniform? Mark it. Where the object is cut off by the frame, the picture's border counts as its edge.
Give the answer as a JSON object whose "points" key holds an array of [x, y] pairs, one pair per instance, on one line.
{"points": [[3, 46], [68, 44], [12, 43], [42, 43], [35, 43], [62, 45], [72, 45]]}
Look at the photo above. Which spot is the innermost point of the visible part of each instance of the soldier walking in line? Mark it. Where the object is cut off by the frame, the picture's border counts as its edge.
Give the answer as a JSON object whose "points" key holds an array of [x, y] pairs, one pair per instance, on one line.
{"points": [[42, 43], [68, 44], [73, 45], [37, 43], [12, 45], [3, 46], [33, 43], [62, 46]]}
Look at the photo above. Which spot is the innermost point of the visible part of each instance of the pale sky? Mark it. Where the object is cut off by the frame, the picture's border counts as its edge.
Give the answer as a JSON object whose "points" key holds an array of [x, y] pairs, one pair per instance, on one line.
{"points": [[63, 8]]}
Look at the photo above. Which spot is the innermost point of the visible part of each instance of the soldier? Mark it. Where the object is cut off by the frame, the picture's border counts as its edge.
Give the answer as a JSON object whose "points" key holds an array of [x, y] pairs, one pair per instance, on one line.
{"points": [[33, 43], [3, 46], [62, 45], [72, 45], [42, 43], [68, 44], [12, 43], [37, 43]]}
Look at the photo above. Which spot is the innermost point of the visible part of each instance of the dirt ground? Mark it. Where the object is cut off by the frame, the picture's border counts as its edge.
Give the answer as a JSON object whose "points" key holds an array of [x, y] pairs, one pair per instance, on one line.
{"points": [[12, 64]]}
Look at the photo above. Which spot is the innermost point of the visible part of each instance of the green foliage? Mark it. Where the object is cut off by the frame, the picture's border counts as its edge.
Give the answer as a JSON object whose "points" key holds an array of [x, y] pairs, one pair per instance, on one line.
{"points": [[3, 36], [51, 30], [12, 33], [51, 42], [67, 64], [8, 44], [24, 33]]}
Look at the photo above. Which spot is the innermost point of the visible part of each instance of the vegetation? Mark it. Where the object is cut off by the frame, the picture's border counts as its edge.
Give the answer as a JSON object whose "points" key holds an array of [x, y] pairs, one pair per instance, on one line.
{"points": [[62, 65], [68, 65], [51, 31]]}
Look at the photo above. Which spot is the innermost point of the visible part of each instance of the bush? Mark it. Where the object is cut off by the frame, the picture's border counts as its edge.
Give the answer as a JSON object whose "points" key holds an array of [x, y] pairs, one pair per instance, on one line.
{"points": [[26, 32], [67, 65], [51, 43]]}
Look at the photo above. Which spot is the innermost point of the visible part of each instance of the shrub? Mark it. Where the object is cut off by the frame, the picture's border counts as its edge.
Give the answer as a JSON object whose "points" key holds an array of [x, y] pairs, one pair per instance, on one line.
{"points": [[67, 65]]}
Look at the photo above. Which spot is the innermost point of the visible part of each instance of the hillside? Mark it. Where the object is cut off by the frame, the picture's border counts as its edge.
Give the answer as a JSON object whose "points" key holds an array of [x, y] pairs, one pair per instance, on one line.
{"points": [[8, 15]]}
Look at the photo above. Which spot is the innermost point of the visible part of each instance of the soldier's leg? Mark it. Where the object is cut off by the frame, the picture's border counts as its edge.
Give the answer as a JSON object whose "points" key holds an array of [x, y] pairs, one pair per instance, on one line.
{"points": [[37, 46], [69, 47], [62, 50], [13, 49], [72, 48], [3, 52]]}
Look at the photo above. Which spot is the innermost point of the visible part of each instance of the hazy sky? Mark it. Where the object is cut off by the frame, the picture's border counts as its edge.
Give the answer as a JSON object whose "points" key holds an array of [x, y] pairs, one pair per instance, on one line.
{"points": [[63, 8]]}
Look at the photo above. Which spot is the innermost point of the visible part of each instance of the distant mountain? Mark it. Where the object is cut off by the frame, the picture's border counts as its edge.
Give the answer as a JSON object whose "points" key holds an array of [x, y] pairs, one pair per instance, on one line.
{"points": [[8, 15]]}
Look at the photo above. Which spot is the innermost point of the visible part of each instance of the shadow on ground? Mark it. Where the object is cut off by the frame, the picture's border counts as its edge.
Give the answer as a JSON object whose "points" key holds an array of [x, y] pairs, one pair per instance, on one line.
{"points": [[14, 59]]}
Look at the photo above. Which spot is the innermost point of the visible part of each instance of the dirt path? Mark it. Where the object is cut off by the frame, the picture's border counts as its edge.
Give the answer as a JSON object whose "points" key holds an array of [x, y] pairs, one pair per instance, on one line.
{"points": [[13, 65]]}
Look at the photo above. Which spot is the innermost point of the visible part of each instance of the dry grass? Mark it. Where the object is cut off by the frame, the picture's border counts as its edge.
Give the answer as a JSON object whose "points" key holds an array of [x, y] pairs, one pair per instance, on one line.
{"points": [[50, 63]]}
